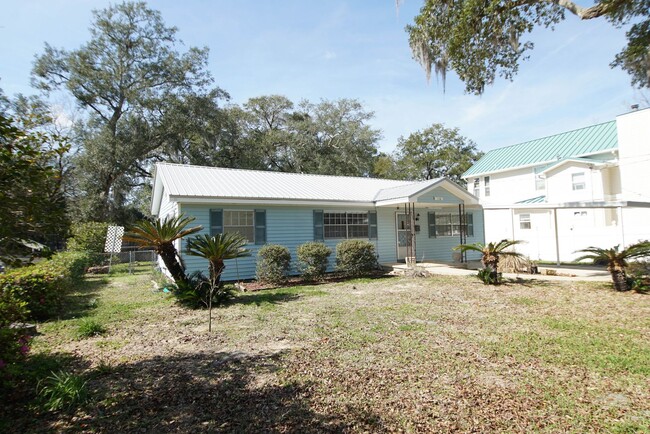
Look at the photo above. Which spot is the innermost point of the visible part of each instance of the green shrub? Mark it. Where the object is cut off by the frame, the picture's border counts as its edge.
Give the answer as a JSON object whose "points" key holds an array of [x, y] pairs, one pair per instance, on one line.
{"points": [[355, 258], [75, 263], [195, 292], [62, 391], [13, 345], [42, 286], [89, 328], [89, 237], [489, 276], [313, 258], [273, 261], [39, 286]]}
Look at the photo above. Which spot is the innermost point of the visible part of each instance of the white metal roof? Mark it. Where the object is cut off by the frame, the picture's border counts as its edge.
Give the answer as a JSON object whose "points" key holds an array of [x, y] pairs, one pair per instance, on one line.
{"points": [[181, 181]]}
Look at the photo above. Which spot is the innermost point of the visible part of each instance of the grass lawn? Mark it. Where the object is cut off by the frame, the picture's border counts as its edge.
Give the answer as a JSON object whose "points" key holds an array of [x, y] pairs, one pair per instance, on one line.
{"points": [[434, 354]]}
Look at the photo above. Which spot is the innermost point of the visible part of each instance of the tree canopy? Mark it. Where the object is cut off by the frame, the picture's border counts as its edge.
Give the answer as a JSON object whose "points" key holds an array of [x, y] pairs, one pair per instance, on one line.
{"points": [[33, 204], [128, 78], [483, 39], [433, 153]]}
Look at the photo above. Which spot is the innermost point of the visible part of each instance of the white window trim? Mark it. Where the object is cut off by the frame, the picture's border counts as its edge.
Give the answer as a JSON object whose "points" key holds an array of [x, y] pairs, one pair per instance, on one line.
{"points": [[223, 223], [582, 185], [330, 211], [524, 221]]}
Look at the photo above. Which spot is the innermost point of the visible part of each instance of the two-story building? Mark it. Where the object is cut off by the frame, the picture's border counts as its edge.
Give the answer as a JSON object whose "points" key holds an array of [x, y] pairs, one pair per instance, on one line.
{"points": [[562, 193]]}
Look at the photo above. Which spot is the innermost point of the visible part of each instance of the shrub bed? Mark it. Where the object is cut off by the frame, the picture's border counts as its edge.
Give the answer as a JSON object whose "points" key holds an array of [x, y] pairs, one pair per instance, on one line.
{"points": [[355, 258], [273, 261], [313, 258], [42, 286], [13, 345]]}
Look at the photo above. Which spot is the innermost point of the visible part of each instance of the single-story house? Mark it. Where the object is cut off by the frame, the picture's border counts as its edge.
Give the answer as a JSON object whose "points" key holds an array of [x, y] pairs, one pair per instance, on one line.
{"points": [[422, 220]]}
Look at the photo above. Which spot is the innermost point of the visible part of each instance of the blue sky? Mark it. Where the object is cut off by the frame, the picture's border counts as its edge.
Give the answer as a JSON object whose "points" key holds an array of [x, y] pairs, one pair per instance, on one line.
{"points": [[354, 49]]}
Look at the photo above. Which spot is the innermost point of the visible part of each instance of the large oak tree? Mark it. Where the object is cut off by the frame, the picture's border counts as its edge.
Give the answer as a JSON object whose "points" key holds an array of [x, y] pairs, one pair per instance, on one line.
{"points": [[129, 78], [482, 39]]}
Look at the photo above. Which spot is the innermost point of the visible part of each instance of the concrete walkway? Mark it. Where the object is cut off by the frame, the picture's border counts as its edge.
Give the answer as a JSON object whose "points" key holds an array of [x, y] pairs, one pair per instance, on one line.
{"points": [[546, 272]]}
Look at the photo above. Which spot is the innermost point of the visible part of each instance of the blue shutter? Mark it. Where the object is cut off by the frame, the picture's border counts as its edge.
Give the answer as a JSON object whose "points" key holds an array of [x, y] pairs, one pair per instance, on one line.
{"points": [[432, 224], [318, 225], [372, 225], [260, 226], [469, 220], [216, 222]]}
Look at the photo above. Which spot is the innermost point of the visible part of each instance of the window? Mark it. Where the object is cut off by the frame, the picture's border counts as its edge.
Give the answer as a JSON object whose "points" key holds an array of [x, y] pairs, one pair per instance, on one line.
{"points": [[540, 182], [251, 224], [578, 181], [486, 185], [477, 188], [239, 222], [345, 225], [524, 221], [449, 224]]}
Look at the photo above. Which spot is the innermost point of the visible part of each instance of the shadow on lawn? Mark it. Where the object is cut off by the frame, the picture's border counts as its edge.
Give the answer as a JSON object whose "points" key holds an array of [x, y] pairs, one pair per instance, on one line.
{"points": [[81, 299], [263, 297], [222, 392]]}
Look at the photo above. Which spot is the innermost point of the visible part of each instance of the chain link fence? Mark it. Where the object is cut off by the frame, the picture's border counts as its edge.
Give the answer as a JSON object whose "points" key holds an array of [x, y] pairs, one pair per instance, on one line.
{"points": [[132, 260]]}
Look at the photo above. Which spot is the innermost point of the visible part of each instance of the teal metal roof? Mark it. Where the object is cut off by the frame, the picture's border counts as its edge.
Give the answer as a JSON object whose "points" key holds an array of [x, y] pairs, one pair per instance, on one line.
{"points": [[576, 143], [538, 199]]}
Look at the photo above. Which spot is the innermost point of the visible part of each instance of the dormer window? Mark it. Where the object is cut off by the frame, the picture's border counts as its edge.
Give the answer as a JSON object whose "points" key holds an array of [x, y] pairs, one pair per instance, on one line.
{"points": [[578, 181], [477, 187]]}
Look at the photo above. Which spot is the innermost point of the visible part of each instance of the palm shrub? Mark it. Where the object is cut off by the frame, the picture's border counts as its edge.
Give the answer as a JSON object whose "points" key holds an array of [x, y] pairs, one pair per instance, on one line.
{"points": [[490, 255], [313, 258], [273, 262], [616, 260], [159, 236], [217, 249], [355, 257]]}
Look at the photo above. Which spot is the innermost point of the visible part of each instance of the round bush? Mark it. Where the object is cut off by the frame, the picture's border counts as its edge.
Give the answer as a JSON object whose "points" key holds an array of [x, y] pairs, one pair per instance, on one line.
{"points": [[313, 259], [273, 261], [355, 257]]}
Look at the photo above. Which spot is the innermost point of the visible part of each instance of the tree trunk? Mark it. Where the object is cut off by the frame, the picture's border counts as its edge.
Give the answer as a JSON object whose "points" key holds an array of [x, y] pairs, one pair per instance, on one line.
{"points": [[168, 254], [620, 280]]}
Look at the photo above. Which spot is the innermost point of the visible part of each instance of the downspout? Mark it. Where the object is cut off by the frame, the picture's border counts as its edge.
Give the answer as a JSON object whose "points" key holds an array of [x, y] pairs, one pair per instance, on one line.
{"points": [[557, 237], [620, 213]]}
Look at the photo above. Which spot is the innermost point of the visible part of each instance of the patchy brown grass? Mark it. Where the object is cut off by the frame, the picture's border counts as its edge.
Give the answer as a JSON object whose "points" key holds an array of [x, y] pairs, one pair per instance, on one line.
{"points": [[437, 354]]}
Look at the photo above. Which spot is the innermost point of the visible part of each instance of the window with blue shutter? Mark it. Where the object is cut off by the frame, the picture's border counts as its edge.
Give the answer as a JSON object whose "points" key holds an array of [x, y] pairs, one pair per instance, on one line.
{"points": [[260, 226], [372, 225], [318, 225], [216, 222]]}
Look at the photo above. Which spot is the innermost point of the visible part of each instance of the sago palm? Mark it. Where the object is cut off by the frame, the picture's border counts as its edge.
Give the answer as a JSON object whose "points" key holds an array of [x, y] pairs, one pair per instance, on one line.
{"points": [[159, 236], [491, 252], [617, 261], [217, 249]]}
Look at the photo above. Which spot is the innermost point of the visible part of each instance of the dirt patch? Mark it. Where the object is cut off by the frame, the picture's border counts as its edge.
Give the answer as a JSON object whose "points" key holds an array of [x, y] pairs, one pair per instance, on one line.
{"points": [[438, 354]]}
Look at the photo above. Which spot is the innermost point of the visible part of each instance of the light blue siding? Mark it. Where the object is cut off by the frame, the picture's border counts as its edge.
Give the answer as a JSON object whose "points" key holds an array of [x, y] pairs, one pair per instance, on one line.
{"points": [[386, 234], [433, 249], [293, 226], [441, 248], [287, 226], [439, 196], [167, 207]]}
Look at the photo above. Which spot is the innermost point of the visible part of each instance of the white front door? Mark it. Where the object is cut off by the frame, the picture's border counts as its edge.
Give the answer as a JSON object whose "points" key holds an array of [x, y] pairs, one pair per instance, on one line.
{"points": [[403, 227]]}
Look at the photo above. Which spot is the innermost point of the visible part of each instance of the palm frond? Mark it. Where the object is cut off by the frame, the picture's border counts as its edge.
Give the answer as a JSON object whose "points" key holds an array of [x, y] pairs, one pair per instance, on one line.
{"points": [[154, 234]]}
